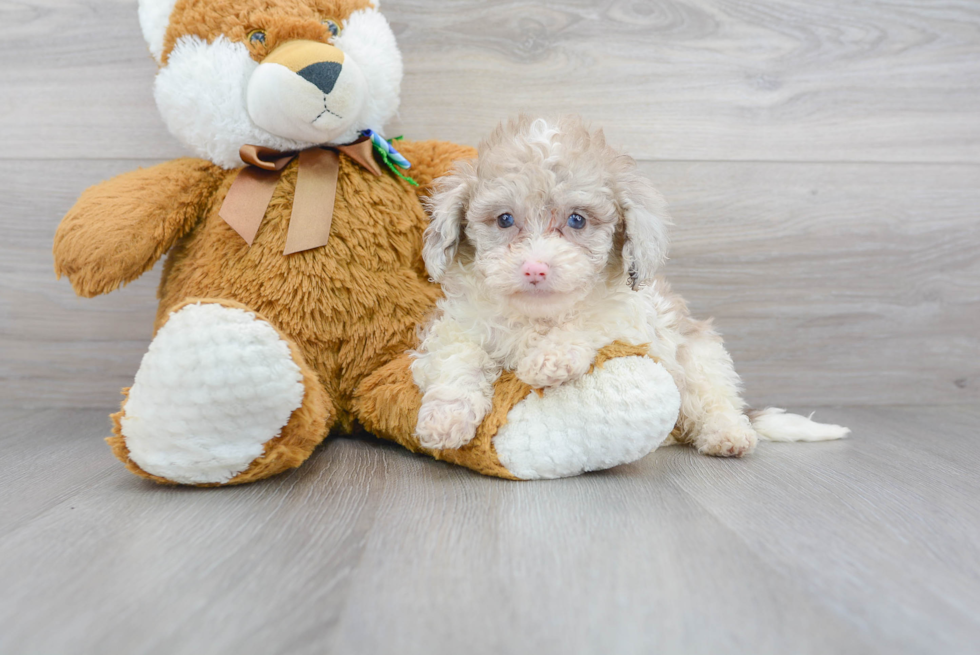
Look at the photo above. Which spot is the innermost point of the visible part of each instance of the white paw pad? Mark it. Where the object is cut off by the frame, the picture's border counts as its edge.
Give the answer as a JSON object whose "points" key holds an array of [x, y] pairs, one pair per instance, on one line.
{"points": [[614, 416], [216, 384]]}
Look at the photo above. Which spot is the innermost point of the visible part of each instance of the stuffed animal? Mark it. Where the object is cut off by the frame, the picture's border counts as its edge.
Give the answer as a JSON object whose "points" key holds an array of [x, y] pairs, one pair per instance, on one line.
{"points": [[294, 283]]}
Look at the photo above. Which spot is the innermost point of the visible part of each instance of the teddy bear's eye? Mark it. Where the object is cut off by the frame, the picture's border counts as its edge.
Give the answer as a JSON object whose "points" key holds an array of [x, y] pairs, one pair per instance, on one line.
{"points": [[505, 221], [333, 26], [576, 221], [256, 37]]}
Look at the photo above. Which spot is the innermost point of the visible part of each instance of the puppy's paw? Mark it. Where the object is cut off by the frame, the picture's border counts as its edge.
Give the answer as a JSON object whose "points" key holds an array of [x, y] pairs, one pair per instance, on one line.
{"points": [[727, 436], [447, 424], [550, 367]]}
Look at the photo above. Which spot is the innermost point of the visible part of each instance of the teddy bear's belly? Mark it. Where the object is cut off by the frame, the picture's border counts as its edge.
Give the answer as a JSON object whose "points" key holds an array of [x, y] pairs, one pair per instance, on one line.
{"points": [[351, 306]]}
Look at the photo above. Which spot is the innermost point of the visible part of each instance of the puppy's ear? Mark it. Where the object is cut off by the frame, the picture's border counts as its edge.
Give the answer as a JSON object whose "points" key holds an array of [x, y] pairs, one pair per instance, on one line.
{"points": [[447, 208], [646, 220]]}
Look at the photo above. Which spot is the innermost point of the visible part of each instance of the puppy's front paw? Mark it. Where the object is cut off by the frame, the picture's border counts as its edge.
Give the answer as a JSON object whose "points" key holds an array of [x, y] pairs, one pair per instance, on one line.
{"points": [[550, 367], [727, 436], [447, 424]]}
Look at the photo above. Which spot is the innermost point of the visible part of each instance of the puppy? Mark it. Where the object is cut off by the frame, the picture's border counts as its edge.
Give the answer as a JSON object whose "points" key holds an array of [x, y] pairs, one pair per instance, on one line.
{"points": [[546, 248]]}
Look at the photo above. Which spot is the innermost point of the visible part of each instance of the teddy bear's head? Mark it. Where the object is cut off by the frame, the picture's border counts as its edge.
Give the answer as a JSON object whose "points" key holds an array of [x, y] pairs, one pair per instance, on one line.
{"points": [[284, 74]]}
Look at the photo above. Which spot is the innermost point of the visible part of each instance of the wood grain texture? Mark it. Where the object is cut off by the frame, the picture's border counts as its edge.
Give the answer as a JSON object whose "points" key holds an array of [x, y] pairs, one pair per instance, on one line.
{"points": [[833, 284], [876, 80], [57, 349], [868, 545]]}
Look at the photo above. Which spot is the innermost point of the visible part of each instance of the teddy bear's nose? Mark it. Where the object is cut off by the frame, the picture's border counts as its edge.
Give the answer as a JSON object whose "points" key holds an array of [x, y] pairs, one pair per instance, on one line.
{"points": [[319, 63], [323, 75], [306, 91]]}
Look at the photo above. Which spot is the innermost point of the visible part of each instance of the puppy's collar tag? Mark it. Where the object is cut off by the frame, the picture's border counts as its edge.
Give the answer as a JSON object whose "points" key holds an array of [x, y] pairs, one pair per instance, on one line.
{"points": [[313, 201]]}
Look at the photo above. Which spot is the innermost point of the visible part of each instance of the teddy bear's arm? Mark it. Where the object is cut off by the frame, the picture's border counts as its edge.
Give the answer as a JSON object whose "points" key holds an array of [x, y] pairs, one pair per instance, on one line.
{"points": [[118, 229], [432, 159]]}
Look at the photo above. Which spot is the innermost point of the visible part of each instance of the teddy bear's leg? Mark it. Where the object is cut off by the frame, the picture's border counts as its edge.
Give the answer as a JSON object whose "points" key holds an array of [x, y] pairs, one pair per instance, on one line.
{"points": [[221, 397], [619, 412]]}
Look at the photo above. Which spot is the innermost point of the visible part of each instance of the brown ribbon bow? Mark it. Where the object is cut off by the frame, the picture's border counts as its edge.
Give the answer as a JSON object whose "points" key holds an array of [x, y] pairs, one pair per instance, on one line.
{"points": [[316, 190]]}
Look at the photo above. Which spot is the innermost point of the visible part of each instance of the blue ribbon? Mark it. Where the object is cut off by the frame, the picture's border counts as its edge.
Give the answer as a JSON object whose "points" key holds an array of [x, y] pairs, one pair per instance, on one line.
{"points": [[391, 157]]}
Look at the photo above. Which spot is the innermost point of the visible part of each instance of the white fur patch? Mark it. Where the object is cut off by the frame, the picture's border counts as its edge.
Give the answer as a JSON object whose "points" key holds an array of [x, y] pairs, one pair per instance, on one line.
{"points": [[541, 132], [614, 416], [368, 40], [154, 18], [215, 386], [775, 424]]}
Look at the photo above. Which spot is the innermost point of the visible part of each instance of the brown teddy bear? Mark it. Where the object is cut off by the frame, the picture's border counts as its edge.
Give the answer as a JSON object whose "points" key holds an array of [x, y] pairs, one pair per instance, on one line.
{"points": [[294, 282]]}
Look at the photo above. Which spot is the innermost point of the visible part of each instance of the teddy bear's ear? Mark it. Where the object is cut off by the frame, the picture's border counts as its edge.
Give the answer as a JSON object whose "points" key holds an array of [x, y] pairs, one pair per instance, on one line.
{"points": [[154, 20]]}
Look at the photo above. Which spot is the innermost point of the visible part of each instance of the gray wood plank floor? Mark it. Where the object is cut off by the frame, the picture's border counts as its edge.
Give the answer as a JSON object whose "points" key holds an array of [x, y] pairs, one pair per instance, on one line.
{"points": [[869, 545]]}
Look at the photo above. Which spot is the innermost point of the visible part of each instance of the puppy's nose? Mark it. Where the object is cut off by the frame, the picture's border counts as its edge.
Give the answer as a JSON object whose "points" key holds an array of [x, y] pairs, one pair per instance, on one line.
{"points": [[535, 272]]}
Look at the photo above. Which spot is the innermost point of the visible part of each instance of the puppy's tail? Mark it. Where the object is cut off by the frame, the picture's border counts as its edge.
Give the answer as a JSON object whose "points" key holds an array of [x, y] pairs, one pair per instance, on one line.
{"points": [[775, 424]]}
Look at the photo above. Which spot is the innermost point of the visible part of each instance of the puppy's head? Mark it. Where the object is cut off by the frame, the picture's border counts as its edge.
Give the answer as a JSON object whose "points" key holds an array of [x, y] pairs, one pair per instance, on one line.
{"points": [[547, 212]]}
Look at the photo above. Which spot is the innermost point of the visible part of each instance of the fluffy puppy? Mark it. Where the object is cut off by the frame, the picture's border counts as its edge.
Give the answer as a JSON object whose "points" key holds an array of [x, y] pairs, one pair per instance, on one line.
{"points": [[547, 248]]}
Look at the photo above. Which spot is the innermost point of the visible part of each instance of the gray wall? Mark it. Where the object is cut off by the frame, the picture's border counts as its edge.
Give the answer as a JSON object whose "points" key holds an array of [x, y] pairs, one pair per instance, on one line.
{"points": [[822, 161]]}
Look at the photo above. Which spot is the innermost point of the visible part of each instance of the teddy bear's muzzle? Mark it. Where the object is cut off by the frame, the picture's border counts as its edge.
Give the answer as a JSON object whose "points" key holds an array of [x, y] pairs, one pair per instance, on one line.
{"points": [[306, 91]]}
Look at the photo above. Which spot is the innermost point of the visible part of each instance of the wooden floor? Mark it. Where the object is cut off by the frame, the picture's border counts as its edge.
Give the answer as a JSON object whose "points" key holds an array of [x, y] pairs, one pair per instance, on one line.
{"points": [[869, 545]]}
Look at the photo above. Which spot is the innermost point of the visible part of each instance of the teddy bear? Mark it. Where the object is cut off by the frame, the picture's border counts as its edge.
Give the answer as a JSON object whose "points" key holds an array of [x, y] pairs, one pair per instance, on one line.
{"points": [[293, 284]]}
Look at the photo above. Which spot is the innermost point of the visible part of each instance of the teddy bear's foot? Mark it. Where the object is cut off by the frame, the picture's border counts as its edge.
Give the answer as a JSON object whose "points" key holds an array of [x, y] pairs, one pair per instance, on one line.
{"points": [[220, 398], [612, 416]]}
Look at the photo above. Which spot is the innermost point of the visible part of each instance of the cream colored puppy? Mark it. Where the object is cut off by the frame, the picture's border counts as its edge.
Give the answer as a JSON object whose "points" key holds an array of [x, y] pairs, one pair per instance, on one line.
{"points": [[546, 248]]}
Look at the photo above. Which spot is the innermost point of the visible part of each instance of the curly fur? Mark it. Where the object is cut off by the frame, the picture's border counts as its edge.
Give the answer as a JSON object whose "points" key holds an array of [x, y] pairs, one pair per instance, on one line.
{"points": [[541, 297]]}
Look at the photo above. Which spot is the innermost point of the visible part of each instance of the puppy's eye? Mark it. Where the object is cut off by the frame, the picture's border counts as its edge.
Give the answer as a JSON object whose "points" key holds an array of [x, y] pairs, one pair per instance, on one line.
{"points": [[576, 221], [256, 37], [505, 221], [333, 26]]}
